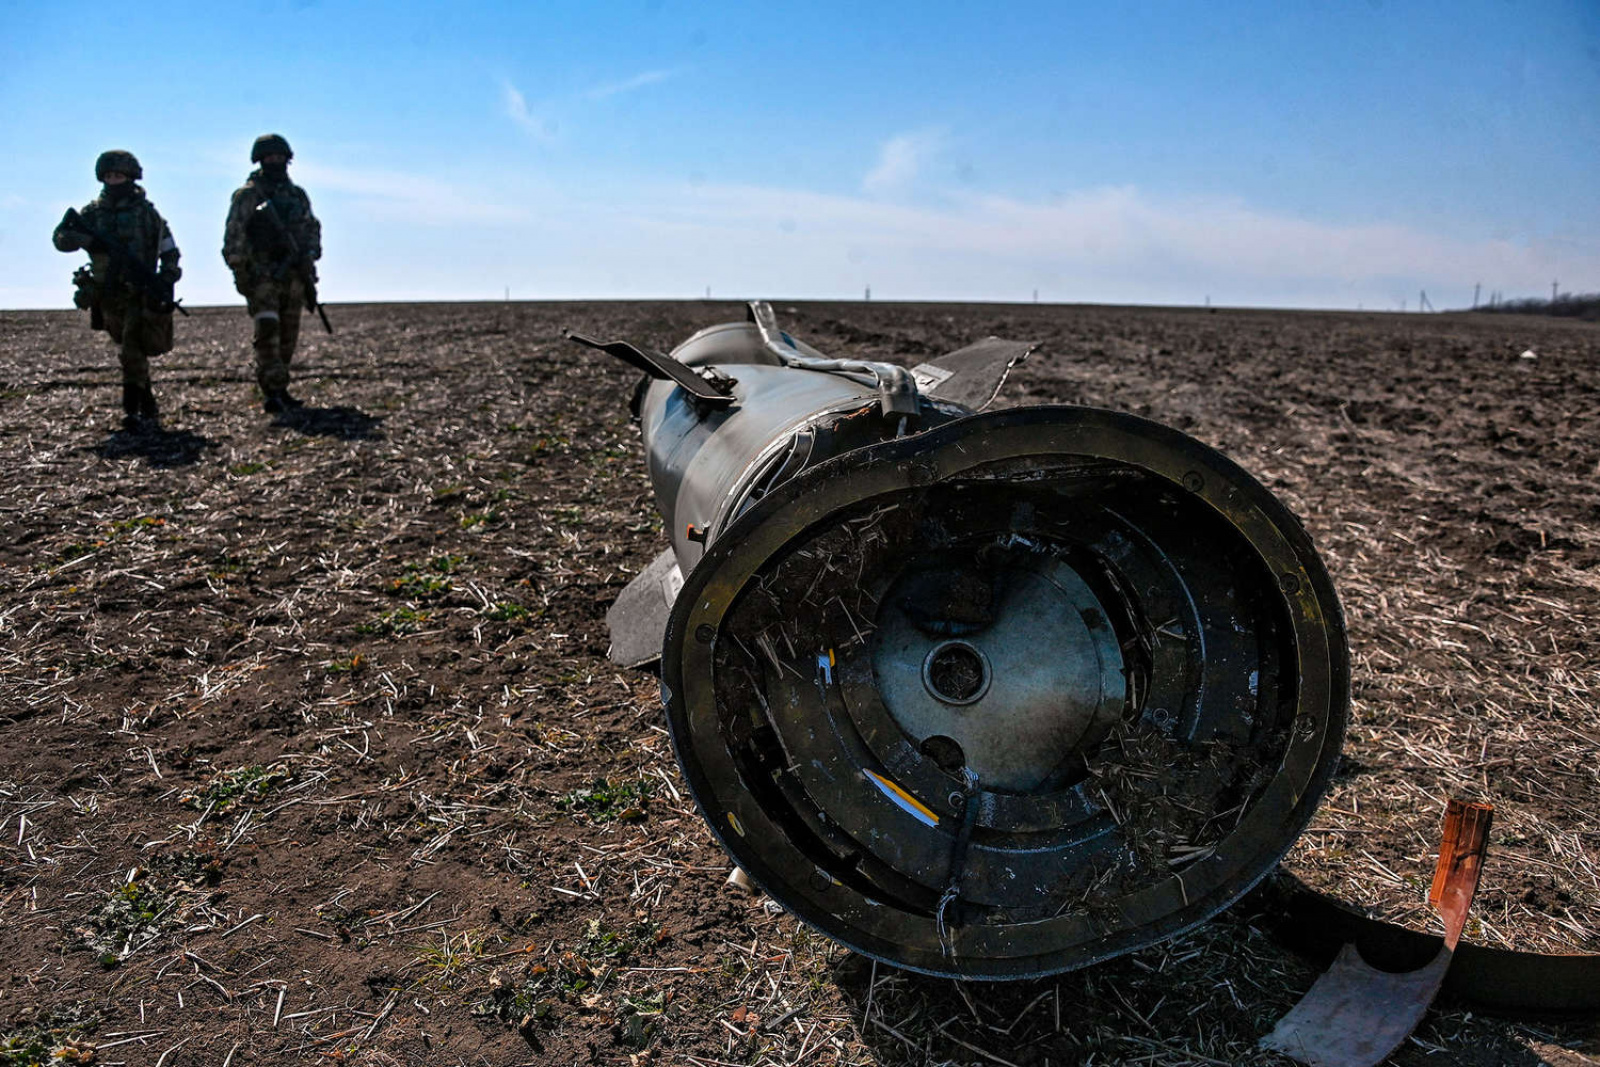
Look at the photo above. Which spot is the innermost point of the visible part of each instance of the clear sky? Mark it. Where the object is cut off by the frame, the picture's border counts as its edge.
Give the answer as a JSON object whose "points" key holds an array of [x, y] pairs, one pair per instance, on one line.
{"points": [[1328, 154]]}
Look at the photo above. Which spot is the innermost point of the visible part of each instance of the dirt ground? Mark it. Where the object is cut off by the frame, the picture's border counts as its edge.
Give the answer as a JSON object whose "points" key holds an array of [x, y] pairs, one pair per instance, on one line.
{"points": [[309, 749]]}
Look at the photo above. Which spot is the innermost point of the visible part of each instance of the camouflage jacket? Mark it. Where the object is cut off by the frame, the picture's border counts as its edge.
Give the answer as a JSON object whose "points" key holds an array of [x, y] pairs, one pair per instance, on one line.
{"points": [[135, 224], [251, 243]]}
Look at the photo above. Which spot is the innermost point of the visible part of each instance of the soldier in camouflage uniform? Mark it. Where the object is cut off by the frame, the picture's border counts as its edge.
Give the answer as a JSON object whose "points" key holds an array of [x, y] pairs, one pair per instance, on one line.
{"points": [[127, 286], [271, 242]]}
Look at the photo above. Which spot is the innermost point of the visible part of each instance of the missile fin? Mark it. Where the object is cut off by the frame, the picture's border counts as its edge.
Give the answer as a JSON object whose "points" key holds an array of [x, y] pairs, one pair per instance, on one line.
{"points": [[638, 618], [971, 376]]}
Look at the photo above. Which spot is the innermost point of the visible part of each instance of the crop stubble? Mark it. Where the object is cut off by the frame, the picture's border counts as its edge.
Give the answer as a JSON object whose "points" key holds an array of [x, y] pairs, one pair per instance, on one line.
{"points": [[308, 744]]}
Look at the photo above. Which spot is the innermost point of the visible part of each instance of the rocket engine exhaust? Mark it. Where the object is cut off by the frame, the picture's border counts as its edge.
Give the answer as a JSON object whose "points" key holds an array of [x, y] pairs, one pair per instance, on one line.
{"points": [[983, 694]]}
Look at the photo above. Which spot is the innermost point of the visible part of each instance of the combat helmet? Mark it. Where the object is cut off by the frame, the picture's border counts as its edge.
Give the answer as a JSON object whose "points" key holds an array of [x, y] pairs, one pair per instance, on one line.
{"points": [[120, 161], [270, 144]]}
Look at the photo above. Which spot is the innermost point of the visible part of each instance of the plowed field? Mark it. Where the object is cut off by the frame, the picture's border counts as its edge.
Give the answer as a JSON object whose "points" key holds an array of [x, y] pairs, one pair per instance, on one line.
{"points": [[310, 751]]}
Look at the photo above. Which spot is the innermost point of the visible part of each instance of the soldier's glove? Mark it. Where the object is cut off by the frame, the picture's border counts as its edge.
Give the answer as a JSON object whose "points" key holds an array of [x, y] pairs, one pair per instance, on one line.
{"points": [[164, 290]]}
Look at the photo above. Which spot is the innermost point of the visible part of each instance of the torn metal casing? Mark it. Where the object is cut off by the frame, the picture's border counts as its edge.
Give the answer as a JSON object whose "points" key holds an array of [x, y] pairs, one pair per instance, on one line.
{"points": [[717, 442], [1494, 981], [982, 695], [1355, 1015], [860, 810]]}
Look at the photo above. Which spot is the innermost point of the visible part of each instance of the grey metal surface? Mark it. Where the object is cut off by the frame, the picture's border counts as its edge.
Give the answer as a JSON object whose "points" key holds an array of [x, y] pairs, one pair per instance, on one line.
{"points": [[696, 458], [1356, 1015], [709, 391], [897, 390], [1054, 677], [637, 619], [971, 376], [826, 798], [986, 696]]}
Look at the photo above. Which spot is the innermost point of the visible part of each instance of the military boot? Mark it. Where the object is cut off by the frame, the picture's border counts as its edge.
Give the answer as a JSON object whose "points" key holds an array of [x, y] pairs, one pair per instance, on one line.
{"points": [[278, 402], [130, 406], [148, 411]]}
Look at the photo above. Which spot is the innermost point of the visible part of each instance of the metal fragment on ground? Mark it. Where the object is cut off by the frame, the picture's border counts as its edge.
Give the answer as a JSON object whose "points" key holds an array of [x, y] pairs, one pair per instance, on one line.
{"points": [[1355, 1015]]}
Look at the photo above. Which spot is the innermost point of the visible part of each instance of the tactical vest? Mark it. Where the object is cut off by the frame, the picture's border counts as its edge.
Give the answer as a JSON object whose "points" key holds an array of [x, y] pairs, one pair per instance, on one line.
{"points": [[266, 240]]}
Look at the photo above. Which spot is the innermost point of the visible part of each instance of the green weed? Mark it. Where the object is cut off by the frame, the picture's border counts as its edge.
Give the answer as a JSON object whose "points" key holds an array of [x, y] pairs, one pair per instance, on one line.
{"points": [[128, 919], [244, 470], [398, 621], [601, 943], [77, 550], [142, 522], [55, 1038], [507, 611], [420, 586], [639, 1018], [237, 786], [606, 801], [449, 960]]}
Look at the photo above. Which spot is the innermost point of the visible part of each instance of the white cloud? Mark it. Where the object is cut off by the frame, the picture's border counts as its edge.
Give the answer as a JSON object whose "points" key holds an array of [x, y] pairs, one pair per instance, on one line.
{"points": [[413, 198], [638, 81], [1105, 244], [901, 158], [516, 107]]}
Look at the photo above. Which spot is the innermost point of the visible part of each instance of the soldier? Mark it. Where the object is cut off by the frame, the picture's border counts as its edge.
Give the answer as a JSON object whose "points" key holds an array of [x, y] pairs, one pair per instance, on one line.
{"points": [[127, 285], [271, 242]]}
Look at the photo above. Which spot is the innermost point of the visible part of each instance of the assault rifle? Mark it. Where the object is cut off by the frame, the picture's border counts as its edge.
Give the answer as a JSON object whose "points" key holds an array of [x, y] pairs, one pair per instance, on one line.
{"points": [[300, 264], [125, 265]]}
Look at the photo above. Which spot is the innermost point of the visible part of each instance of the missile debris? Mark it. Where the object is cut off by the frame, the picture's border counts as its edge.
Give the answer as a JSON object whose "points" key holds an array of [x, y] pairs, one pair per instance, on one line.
{"points": [[980, 693]]}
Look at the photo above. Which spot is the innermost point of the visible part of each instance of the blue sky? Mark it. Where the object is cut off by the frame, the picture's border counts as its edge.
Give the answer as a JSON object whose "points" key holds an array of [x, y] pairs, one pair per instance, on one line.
{"points": [[1266, 154]]}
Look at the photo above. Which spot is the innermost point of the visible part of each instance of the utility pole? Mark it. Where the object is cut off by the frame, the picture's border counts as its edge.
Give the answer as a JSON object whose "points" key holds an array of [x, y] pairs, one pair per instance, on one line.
{"points": [[1553, 291], [1475, 287], [1036, 296], [868, 295]]}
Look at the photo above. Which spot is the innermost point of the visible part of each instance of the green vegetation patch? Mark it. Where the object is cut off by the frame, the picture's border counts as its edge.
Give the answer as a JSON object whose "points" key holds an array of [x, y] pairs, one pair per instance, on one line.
{"points": [[238, 785], [604, 800], [398, 621], [603, 944], [507, 611], [150, 902], [534, 996], [244, 470], [531, 998], [348, 665], [142, 522], [427, 581], [420, 586], [639, 1018], [57, 1037], [77, 550]]}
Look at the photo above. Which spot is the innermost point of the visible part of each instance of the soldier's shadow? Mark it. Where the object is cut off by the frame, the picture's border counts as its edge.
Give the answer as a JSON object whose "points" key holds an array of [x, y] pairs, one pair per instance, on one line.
{"points": [[346, 423], [159, 447]]}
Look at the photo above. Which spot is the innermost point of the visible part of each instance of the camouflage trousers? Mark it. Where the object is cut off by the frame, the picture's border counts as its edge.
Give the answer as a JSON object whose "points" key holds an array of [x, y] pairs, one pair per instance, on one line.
{"points": [[275, 305], [139, 334]]}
